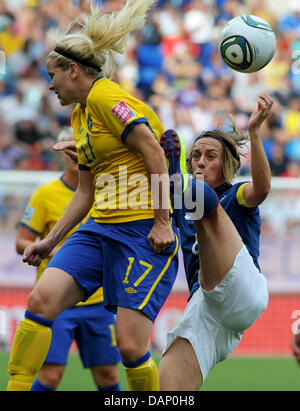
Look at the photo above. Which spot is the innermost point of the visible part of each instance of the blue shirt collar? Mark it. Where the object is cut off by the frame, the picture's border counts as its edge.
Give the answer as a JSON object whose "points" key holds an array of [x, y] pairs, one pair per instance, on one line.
{"points": [[66, 184]]}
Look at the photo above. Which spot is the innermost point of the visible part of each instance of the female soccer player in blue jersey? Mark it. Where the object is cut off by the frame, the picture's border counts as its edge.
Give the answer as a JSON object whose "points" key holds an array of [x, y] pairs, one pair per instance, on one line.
{"points": [[128, 245], [228, 291], [88, 323]]}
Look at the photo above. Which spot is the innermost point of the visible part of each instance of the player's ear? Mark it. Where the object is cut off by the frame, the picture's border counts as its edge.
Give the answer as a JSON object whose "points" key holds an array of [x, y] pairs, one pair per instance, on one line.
{"points": [[73, 70]]}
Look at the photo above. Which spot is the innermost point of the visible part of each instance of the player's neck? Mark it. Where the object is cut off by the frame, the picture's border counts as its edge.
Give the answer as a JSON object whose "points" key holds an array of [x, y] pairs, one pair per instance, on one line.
{"points": [[85, 86], [71, 179]]}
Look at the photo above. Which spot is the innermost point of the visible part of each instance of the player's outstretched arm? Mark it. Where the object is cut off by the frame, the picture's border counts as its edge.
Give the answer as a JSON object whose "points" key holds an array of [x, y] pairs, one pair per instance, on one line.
{"points": [[256, 191], [78, 208]]}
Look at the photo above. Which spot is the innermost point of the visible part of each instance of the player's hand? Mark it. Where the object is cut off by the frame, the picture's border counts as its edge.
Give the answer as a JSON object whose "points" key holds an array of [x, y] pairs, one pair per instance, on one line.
{"points": [[68, 147], [35, 253], [296, 346], [264, 106], [161, 237]]}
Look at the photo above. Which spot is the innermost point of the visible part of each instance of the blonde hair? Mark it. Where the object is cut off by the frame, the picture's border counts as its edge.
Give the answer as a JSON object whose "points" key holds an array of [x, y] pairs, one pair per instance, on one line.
{"points": [[65, 134], [232, 141], [100, 37]]}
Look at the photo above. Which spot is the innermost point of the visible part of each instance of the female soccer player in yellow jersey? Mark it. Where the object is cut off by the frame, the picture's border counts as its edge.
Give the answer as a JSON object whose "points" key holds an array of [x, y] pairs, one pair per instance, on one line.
{"points": [[128, 245]]}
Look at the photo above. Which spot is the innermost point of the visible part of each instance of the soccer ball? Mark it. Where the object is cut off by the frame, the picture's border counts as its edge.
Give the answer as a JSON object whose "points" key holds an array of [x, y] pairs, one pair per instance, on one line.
{"points": [[247, 43]]}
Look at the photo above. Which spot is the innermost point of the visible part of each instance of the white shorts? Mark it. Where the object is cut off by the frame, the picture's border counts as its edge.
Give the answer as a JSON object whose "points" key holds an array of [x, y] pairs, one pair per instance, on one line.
{"points": [[215, 321]]}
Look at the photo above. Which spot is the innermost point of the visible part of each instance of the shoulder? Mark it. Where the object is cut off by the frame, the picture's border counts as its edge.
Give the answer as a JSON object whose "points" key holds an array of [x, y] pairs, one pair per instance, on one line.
{"points": [[230, 192], [233, 196], [104, 90], [240, 184], [50, 186], [239, 189], [45, 189], [37, 206], [108, 94]]}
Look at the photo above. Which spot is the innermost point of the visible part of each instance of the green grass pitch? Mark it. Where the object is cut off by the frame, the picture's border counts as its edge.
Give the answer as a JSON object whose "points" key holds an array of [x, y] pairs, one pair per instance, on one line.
{"points": [[234, 374]]}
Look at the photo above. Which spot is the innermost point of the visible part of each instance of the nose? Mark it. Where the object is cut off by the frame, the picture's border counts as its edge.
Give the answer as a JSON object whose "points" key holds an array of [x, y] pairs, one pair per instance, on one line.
{"points": [[201, 161]]}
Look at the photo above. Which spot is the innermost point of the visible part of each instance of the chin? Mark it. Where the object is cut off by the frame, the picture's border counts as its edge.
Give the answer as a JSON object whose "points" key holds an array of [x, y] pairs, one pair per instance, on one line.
{"points": [[64, 102]]}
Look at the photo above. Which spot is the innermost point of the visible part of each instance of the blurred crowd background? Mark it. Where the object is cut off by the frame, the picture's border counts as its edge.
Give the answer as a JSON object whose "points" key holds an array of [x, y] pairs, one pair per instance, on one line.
{"points": [[172, 63]]}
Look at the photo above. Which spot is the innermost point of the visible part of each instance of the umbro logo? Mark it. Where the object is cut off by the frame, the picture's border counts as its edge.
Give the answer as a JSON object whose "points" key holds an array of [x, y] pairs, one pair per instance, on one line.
{"points": [[130, 290]]}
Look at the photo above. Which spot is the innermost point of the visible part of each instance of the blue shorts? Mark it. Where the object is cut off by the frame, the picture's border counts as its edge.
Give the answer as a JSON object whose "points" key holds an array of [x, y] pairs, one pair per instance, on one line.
{"points": [[93, 329], [119, 258]]}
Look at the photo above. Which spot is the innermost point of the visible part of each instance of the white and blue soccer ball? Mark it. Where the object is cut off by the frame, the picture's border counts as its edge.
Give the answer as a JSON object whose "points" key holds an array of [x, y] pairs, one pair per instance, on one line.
{"points": [[247, 43]]}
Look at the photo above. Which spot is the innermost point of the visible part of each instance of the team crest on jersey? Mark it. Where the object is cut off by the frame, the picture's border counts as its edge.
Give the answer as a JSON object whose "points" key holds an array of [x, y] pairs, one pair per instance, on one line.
{"points": [[28, 213], [90, 122], [122, 112]]}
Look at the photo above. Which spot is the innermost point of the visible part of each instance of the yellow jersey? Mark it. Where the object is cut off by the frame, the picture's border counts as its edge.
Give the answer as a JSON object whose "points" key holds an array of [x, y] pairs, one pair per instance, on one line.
{"points": [[10, 43], [43, 211], [122, 189]]}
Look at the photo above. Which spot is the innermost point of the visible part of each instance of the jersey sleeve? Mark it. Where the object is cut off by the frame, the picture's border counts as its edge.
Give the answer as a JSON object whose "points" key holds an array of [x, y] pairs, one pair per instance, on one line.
{"points": [[240, 196], [34, 215], [119, 112]]}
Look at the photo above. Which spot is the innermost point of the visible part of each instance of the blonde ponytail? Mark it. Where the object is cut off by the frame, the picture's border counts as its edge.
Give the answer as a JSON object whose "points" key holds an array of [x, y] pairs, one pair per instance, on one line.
{"points": [[100, 37]]}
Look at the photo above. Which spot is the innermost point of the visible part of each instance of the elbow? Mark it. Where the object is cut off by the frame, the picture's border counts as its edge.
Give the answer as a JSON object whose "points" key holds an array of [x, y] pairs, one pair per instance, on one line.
{"points": [[263, 193], [19, 249], [159, 153], [88, 205], [258, 194], [83, 199], [266, 190]]}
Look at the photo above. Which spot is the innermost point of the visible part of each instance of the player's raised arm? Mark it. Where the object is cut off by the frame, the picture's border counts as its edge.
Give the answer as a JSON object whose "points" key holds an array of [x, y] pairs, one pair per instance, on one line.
{"points": [[257, 190]]}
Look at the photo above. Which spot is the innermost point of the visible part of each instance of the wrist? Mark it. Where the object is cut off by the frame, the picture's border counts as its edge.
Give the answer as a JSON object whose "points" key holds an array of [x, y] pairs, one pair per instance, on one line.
{"points": [[162, 217], [253, 130], [50, 241]]}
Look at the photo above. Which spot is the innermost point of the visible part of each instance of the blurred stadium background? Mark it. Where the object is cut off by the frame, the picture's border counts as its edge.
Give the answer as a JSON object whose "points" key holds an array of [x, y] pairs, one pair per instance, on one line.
{"points": [[172, 64]]}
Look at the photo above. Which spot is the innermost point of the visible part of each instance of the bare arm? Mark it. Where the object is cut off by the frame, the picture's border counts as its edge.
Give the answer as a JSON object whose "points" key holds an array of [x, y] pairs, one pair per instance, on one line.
{"points": [[141, 140], [25, 238], [257, 190], [77, 209]]}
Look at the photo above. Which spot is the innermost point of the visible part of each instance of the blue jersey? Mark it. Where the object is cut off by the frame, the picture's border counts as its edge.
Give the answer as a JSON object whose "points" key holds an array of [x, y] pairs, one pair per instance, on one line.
{"points": [[246, 220]]}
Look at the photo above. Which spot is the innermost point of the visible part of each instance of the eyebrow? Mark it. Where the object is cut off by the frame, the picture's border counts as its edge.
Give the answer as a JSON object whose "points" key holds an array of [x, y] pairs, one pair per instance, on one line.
{"points": [[208, 150]]}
